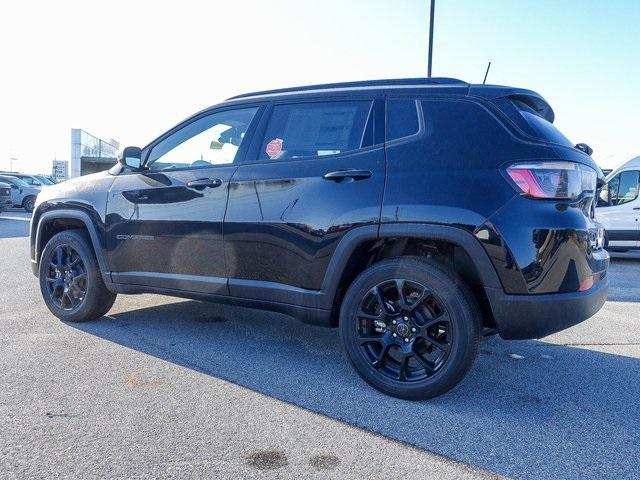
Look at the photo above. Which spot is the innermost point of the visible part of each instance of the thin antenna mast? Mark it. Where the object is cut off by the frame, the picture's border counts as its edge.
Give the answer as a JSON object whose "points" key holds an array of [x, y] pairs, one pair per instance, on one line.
{"points": [[433, 6], [486, 73]]}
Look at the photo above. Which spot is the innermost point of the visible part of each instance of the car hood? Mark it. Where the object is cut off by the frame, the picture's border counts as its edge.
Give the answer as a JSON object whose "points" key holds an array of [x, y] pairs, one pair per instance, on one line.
{"points": [[80, 189]]}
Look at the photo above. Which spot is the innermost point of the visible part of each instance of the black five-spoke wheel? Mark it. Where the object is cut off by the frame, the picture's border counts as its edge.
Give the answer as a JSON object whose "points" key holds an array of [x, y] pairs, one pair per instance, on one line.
{"points": [[67, 278], [403, 330]]}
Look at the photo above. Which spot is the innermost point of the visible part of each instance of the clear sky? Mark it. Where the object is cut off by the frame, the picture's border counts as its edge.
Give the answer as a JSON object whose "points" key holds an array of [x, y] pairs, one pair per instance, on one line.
{"points": [[130, 70]]}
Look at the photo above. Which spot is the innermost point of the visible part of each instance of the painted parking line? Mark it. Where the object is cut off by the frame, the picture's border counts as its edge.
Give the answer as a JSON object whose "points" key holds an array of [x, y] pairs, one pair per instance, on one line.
{"points": [[24, 219]]}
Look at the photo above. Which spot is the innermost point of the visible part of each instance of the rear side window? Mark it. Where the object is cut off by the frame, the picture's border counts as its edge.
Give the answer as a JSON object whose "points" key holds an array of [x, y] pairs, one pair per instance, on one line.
{"points": [[402, 118], [315, 129]]}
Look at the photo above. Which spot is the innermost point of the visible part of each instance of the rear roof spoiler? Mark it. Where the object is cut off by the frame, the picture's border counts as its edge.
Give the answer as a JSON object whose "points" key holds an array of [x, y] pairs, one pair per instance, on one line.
{"points": [[528, 97]]}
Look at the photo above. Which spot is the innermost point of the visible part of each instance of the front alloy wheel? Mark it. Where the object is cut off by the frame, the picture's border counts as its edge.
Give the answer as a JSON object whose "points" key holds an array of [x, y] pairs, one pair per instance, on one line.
{"points": [[71, 283], [66, 278]]}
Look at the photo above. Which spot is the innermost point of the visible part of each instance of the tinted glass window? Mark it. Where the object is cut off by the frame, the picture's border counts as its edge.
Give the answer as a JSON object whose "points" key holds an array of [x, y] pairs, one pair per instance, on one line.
{"points": [[546, 130], [622, 188], [402, 118], [211, 140], [43, 180], [314, 129]]}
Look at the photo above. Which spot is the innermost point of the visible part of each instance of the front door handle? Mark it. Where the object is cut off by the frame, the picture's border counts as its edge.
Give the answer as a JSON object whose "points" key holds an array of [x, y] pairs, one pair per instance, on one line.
{"points": [[349, 173], [202, 183], [636, 208]]}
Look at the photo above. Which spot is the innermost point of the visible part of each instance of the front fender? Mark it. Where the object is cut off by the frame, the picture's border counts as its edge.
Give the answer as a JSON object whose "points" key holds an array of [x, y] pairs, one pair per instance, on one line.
{"points": [[42, 220]]}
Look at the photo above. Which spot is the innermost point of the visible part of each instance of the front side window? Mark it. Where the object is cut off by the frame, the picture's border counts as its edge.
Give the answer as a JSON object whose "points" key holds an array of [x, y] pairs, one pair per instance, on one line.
{"points": [[315, 129], [621, 189], [211, 140]]}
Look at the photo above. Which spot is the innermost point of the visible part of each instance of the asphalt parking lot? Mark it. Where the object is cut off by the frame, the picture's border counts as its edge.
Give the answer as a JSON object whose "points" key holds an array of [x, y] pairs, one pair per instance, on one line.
{"points": [[164, 387]]}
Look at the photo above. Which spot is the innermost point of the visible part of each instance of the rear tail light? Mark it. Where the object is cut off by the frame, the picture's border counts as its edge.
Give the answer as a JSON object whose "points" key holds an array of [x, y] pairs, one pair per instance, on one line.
{"points": [[556, 180]]}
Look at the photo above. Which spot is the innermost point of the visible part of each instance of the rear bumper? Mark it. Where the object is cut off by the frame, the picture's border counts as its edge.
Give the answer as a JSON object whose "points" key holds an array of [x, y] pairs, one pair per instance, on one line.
{"points": [[536, 316]]}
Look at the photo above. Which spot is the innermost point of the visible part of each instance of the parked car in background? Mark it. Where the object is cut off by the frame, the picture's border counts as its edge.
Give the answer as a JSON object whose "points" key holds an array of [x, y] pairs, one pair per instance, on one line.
{"points": [[33, 180], [414, 214], [618, 207], [5, 196], [22, 194]]}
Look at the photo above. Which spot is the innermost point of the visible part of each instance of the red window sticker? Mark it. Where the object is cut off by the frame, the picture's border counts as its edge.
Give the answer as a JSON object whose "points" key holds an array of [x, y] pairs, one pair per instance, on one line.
{"points": [[274, 147]]}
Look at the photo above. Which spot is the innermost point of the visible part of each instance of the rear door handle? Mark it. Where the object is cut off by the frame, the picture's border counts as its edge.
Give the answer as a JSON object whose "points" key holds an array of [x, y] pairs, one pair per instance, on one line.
{"points": [[339, 175], [636, 208], [202, 183]]}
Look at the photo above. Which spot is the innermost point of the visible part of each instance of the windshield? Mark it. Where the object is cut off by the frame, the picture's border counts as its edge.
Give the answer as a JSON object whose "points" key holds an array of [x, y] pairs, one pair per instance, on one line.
{"points": [[43, 180]]}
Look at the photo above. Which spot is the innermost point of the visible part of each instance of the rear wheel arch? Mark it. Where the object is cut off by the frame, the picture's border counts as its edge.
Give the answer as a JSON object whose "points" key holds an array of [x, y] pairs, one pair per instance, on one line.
{"points": [[364, 246]]}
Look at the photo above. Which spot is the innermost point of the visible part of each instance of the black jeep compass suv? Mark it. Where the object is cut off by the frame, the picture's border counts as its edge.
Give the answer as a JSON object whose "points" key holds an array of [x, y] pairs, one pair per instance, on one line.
{"points": [[413, 214]]}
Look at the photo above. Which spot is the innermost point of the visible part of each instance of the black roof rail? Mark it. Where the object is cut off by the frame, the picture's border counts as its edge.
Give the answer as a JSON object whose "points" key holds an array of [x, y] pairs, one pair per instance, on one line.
{"points": [[363, 83]]}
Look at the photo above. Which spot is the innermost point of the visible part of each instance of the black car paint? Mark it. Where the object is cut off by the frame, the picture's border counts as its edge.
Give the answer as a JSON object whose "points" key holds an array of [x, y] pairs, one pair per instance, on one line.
{"points": [[277, 234], [285, 219]]}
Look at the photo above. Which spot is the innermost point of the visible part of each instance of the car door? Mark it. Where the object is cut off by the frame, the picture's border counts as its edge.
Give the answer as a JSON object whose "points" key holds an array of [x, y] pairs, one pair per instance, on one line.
{"points": [[315, 171], [618, 209], [164, 224]]}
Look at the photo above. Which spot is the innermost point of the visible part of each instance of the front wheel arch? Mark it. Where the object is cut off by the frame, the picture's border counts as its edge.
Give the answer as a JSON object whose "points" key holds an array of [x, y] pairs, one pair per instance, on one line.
{"points": [[55, 221]]}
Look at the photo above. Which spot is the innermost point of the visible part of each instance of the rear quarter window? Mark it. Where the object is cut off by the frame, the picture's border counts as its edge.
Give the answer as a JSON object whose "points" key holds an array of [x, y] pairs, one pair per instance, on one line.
{"points": [[402, 118]]}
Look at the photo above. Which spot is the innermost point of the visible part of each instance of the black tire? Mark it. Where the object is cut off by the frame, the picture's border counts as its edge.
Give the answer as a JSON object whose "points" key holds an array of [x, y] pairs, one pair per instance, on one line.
{"points": [[85, 297], [28, 203], [411, 366]]}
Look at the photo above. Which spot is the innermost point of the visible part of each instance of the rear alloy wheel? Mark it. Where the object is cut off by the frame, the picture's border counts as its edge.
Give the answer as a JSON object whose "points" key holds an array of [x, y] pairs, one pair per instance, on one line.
{"points": [[410, 327], [403, 330]]}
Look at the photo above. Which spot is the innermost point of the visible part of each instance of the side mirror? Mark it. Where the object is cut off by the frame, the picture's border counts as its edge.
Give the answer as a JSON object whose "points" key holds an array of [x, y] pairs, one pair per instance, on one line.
{"points": [[131, 157], [603, 199]]}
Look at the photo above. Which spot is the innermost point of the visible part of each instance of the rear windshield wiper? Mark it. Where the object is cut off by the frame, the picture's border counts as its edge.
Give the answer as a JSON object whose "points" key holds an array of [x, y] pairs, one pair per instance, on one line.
{"points": [[583, 147]]}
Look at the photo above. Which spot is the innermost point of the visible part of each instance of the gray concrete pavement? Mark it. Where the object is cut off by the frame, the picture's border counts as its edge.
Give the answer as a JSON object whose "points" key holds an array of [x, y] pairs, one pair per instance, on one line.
{"points": [[167, 387]]}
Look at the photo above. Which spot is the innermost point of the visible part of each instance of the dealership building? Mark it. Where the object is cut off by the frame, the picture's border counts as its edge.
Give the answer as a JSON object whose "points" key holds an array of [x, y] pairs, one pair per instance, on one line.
{"points": [[90, 154]]}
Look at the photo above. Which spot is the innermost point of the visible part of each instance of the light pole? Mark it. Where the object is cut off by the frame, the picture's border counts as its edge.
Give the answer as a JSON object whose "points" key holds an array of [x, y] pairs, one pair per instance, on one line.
{"points": [[433, 6], [11, 160]]}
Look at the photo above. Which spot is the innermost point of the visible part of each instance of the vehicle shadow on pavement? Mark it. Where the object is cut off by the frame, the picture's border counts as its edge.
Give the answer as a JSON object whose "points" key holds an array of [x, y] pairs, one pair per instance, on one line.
{"points": [[527, 409]]}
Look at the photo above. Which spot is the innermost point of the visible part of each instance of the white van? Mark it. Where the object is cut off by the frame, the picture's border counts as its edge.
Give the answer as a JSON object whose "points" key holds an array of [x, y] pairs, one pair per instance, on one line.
{"points": [[618, 207]]}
